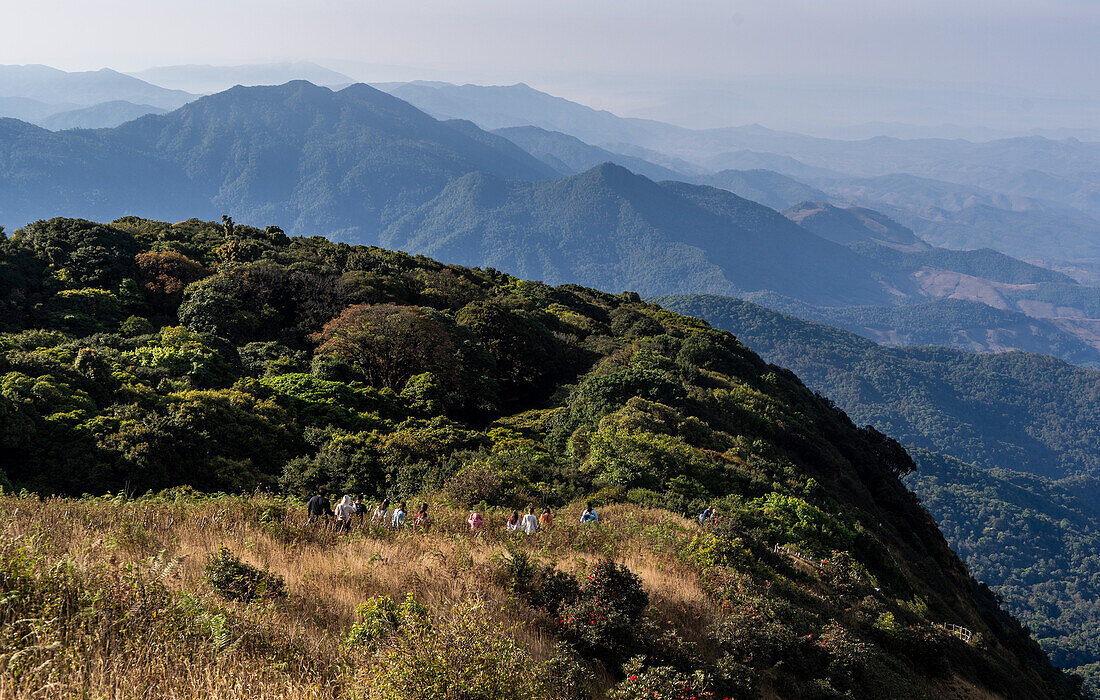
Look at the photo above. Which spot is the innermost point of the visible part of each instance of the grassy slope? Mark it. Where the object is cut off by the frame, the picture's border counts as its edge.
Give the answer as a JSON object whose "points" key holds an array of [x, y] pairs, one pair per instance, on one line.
{"points": [[120, 605]]}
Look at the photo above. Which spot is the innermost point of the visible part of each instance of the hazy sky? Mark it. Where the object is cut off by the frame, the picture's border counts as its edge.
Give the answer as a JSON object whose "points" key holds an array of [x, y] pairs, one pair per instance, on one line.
{"points": [[705, 60]]}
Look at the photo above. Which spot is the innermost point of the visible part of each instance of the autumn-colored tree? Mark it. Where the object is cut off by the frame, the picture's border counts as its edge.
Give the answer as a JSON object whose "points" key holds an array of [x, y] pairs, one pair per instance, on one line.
{"points": [[164, 275], [389, 343]]}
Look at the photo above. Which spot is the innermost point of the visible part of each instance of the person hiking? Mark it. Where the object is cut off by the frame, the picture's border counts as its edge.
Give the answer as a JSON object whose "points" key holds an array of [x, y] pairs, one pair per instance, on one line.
{"points": [[589, 515], [318, 507], [546, 519], [398, 515], [381, 513], [344, 510], [530, 522], [422, 520], [513, 521], [359, 509], [475, 521], [704, 516]]}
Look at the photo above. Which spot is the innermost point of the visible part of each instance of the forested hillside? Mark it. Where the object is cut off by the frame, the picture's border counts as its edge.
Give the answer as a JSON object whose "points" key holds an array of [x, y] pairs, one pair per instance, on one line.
{"points": [[142, 355], [1034, 540], [1033, 536], [611, 228], [1013, 410]]}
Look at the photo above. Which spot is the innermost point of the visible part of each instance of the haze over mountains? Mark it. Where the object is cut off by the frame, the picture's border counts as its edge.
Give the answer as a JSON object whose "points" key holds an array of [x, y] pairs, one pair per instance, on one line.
{"points": [[207, 79], [984, 247], [356, 164], [1055, 180]]}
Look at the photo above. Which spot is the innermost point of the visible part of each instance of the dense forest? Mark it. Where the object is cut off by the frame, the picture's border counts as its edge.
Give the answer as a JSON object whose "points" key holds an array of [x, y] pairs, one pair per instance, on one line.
{"points": [[1033, 539], [1033, 536], [1013, 410], [141, 357]]}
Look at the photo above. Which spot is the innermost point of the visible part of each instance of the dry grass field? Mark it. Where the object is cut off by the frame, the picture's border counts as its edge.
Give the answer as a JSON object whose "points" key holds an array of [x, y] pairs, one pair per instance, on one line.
{"points": [[108, 598]]}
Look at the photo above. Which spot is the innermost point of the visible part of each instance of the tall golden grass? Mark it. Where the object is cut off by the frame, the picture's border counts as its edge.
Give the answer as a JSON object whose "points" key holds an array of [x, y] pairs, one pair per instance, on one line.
{"points": [[161, 632]]}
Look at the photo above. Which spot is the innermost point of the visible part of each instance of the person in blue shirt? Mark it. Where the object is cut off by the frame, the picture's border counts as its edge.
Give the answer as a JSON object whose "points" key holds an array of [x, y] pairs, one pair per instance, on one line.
{"points": [[589, 515], [398, 516]]}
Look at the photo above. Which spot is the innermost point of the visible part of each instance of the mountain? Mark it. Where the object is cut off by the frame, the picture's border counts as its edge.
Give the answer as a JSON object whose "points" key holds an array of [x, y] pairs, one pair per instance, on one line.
{"points": [[850, 225], [746, 159], [29, 110], [772, 189], [101, 116], [1015, 410], [570, 155], [963, 216], [500, 106], [296, 154], [203, 357], [84, 173], [955, 323], [206, 79], [87, 88], [983, 263], [612, 228]]}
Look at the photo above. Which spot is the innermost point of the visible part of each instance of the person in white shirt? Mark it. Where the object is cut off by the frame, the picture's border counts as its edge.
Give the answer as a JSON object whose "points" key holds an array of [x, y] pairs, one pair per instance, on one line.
{"points": [[381, 514], [530, 522], [344, 510]]}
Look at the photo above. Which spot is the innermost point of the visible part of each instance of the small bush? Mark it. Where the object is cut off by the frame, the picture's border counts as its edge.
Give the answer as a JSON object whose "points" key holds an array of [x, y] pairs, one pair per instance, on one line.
{"points": [[465, 656], [380, 617], [604, 620], [749, 636], [234, 579], [566, 675], [541, 586], [660, 683], [708, 550]]}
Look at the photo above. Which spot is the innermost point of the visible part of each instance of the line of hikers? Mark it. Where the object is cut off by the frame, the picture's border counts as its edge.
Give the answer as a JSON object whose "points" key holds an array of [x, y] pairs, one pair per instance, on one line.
{"points": [[348, 510]]}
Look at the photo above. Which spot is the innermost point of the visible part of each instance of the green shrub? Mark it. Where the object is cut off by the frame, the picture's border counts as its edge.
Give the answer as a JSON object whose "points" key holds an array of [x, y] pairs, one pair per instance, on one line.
{"points": [[604, 620], [234, 579], [541, 586], [707, 550], [465, 656], [566, 675], [380, 617], [660, 683]]}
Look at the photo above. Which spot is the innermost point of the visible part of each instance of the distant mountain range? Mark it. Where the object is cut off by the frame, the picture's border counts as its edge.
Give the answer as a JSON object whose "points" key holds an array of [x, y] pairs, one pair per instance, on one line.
{"points": [[53, 86], [360, 165], [310, 159], [206, 79], [1050, 188], [1031, 197]]}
